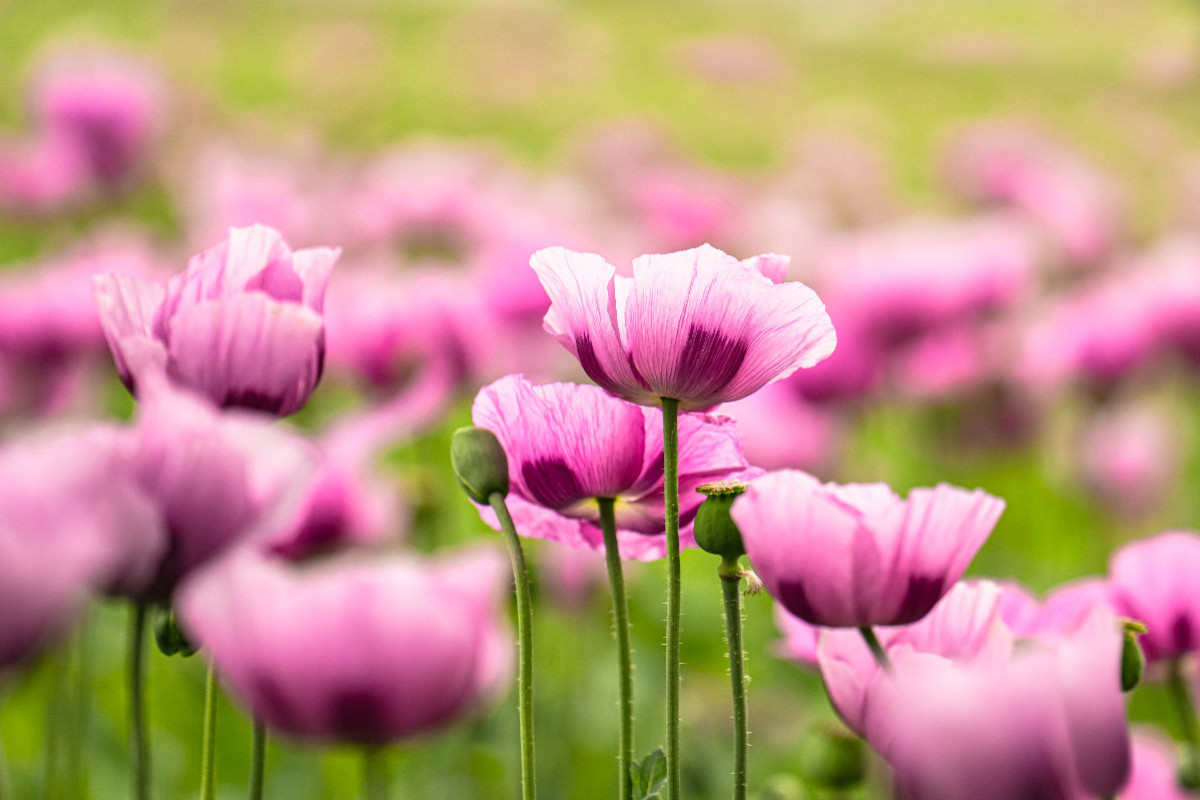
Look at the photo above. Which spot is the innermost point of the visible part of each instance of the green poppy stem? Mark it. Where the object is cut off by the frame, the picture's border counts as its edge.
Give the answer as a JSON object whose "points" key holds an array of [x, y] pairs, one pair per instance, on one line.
{"points": [[375, 777], [1181, 698], [137, 707], [258, 759], [525, 643], [670, 414], [616, 581], [208, 744], [730, 586], [881, 656]]}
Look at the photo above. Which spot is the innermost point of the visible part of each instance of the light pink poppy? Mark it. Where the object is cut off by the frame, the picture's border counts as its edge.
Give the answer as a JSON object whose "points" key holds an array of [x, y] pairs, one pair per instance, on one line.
{"points": [[108, 103], [1048, 723], [41, 175], [1073, 202], [217, 478], [698, 325], [856, 555], [1154, 582], [1130, 457], [347, 650], [910, 279], [966, 625], [73, 521], [569, 444], [243, 324]]}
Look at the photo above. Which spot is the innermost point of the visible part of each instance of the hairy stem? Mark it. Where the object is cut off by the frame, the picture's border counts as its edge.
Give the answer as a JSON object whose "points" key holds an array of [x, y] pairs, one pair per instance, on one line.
{"points": [[616, 581], [670, 414], [525, 644]]}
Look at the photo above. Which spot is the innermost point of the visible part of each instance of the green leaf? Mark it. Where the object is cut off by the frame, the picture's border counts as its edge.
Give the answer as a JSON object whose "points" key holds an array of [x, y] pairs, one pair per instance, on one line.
{"points": [[649, 776]]}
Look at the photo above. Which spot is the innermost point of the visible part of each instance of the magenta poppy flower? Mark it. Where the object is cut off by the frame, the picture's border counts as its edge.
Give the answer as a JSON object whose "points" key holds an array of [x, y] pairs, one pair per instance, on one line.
{"points": [[1077, 205], [73, 521], [857, 555], [1130, 457], [217, 478], [1154, 582], [697, 326], [42, 175], [906, 281], [243, 324], [347, 502], [1049, 723], [569, 444], [966, 625], [355, 650], [108, 104]]}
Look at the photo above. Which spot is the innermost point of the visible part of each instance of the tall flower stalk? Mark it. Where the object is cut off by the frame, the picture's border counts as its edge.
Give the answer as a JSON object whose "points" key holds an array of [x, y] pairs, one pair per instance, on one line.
{"points": [[670, 412], [208, 749], [525, 643], [616, 581], [716, 533], [481, 465], [139, 736]]}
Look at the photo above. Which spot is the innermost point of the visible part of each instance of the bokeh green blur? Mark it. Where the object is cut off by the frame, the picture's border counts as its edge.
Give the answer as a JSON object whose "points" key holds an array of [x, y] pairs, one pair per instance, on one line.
{"points": [[531, 77]]}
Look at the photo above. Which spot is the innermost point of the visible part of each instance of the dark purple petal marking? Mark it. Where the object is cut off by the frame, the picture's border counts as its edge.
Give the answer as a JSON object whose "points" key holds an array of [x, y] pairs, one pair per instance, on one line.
{"points": [[254, 400], [551, 483], [1183, 636], [324, 527], [591, 364], [794, 599], [709, 362], [587, 359], [920, 597], [360, 715]]}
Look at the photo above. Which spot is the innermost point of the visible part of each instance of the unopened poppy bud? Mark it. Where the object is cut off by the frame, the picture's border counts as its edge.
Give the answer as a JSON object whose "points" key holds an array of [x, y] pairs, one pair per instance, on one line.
{"points": [[479, 462], [1133, 660], [832, 759], [714, 528], [169, 636]]}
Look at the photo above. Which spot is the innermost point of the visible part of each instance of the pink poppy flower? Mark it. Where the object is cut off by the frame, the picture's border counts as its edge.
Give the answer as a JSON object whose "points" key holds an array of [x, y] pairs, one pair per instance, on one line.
{"points": [[698, 325], [73, 521], [42, 175], [1077, 205], [1049, 723], [347, 502], [1101, 333], [347, 650], [107, 103], [1154, 582], [243, 324], [966, 625], [569, 444], [217, 478], [1130, 457], [908, 280], [856, 555]]}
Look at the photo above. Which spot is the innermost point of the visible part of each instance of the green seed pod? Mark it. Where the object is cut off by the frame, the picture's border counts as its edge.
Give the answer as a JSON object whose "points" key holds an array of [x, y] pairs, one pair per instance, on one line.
{"points": [[832, 759], [1133, 661], [168, 636], [480, 463], [714, 528]]}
